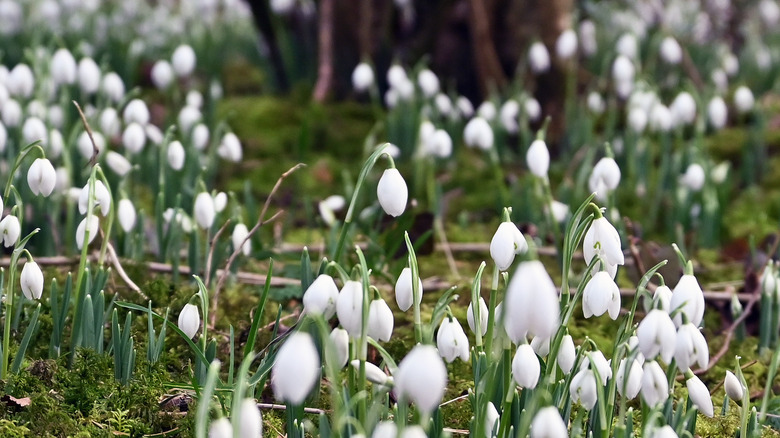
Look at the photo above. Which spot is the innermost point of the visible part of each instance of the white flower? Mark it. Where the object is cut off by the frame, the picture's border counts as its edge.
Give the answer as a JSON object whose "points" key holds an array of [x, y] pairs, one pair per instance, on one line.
{"points": [[136, 111], [623, 70], [31, 280], [85, 146], [204, 210], [403, 290], [627, 45], [200, 136], [491, 420], [587, 33], [601, 295], [385, 429], [189, 320], [118, 163], [567, 354], [113, 87], [700, 395], [694, 177], [525, 367], [374, 374], [487, 110], [10, 230], [444, 106], [541, 346], [321, 296], [220, 201], [452, 341], [183, 60], [506, 243], [380, 320], [483, 317], [239, 239], [188, 117], [717, 112], [532, 301], [663, 432], [126, 214], [89, 76], [657, 335], [230, 148], [63, 67], [464, 106], [362, 77], [340, 339], [194, 99], [162, 74], [439, 144], [532, 109], [583, 388], [663, 296], [660, 118], [602, 240], [109, 122], [637, 119], [508, 115], [421, 378], [604, 178], [41, 177], [251, 424], [88, 224], [690, 347], [21, 81], [34, 130], [596, 103], [221, 428], [349, 308], [566, 44], [428, 82], [600, 364], [688, 296], [743, 99], [733, 387], [392, 192], [538, 158], [671, 52], [547, 423], [134, 138], [296, 369], [101, 196], [538, 58], [683, 109], [655, 387], [282, 7], [478, 133], [395, 75], [176, 155], [629, 386], [12, 113]]}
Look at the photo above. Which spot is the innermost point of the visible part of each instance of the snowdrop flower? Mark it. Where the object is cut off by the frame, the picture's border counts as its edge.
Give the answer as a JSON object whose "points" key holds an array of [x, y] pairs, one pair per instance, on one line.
{"points": [[478, 133], [296, 369], [374, 374], [221, 428], [601, 295], [12, 113], [452, 341], [532, 109], [380, 320], [663, 297], [183, 61], [136, 111], [31, 280], [134, 138], [602, 240], [660, 118], [204, 210], [21, 81], [623, 75], [176, 155], [683, 109], [362, 77], [86, 147], [541, 346], [464, 106], [532, 300], [655, 387], [694, 177], [200, 136], [596, 103], [700, 395], [113, 87], [421, 378], [627, 46], [637, 119], [282, 7], [664, 432], [538, 58], [118, 163], [230, 148], [109, 122], [483, 317], [63, 67], [671, 52], [220, 202], [596, 360], [239, 239], [583, 388], [506, 243], [41, 177], [733, 387], [510, 111], [717, 112], [487, 110], [89, 224], [444, 105], [162, 74], [88, 76], [251, 425], [189, 320], [10, 230], [690, 347], [428, 82], [743, 99], [604, 178], [439, 144], [730, 64], [720, 79], [538, 158], [404, 292], [3, 137], [688, 296], [188, 117], [349, 308], [396, 75], [385, 429], [547, 423], [491, 420], [587, 33], [340, 339], [329, 206], [194, 99], [126, 214], [566, 44], [101, 198], [392, 192], [567, 354], [525, 367], [657, 335], [629, 386]]}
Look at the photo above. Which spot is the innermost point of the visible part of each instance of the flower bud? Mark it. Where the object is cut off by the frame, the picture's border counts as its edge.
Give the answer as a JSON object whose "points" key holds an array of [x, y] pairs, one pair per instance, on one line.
{"points": [[374, 374], [380, 320], [126, 214], [567, 354], [340, 339], [428, 82], [21, 81], [230, 148], [89, 76], [506, 243], [509, 114], [538, 58], [694, 177], [204, 211], [362, 77], [655, 387], [452, 341], [465, 107], [566, 44], [136, 111], [251, 424], [221, 428], [296, 369], [392, 192], [478, 133], [118, 163], [688, 296], [671, 52], [627, 45], [31, 280], [487, 110], [134, 138], [547, 423], [538, 158], [700, 395], [113, 87], [10, 230], [162, 74], [483, 317], [743, 99], [733, 387], [63, 67], [189, 320], [239, 239], [683, 109], [403, 290], [349, 308], [176, 155], [183, 60], [525, 367], [200, 136], [717, 112], [421, 378], [41, 177], [12, 113]]}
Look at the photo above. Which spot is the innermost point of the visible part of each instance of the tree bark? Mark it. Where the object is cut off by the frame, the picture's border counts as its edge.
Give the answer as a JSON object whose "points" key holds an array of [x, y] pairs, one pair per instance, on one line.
{"points": [[325, 51], [486, 59], [261, 14]]}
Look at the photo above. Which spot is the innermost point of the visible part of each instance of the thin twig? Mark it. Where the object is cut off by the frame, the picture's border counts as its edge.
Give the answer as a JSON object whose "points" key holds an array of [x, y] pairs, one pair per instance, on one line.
{"points": [[237, 250], [212, 245], [445, 246], [729, 334], [121, 272], [95, 150], [284, 408]]}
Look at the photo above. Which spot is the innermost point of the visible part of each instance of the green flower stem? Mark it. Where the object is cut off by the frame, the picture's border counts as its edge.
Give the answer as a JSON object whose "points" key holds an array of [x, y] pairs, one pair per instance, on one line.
{"points": [[506, 414], [491, 313], [416, 298], [476, 287], [363, 344], [367, 166], [18, 162], [770, 378], [111, 216], [201, 420]]}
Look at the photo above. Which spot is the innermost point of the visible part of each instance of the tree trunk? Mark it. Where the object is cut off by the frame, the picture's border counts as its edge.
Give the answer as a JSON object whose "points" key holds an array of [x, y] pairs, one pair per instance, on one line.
{"points": [[261, 14], [325, 52]]}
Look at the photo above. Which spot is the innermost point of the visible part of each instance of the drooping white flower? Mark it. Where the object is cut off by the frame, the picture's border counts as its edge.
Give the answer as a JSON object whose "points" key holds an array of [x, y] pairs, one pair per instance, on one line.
{"points": [[296, 369], [694, 177], [220, 201], [403, 290], [655, 387], [102, 198], [599, 363], [439, 144], [380, 320], [230, 148], [118, 163], [487, 110], [340, 339], [88, 76], [588, 41], [690, 347], [349, 308], [601, 295], [483, 317], [34, 130], [491, 420], [126, 214], [134, 138], [733, 387], [671, 52], [421, 378], [604, 178], [41, 177], [567, 354], [10, 230], [505, 244], [547, 423], [629, 385], [444, 106], [538, 158], [113, 87], [700, 395], [717, 112], [428, 82], [538, 58], [478, 133], [583, 388], [663, 432], [623, 70], [627, 45], [200, 136], [204, 210], [602, 240], [321, 296], [63, 67], [239, 239], [510, 111], [90, 224], [525, 367], [12, 113], [596, 103], [743, 99], [188, 117], [566, 44], [162, 74], [189, 320], [31, 280], [532, 300], [251, 424], [136, 111], [657, 335], [663, 297], [637, 119], [362, 77], [452, 341], [183, 61], [392, 192], [176, 155], [21, 81], [220, 428], [688, 296], [465, 107], [683, 109], [374, 374], [385, 429]]}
